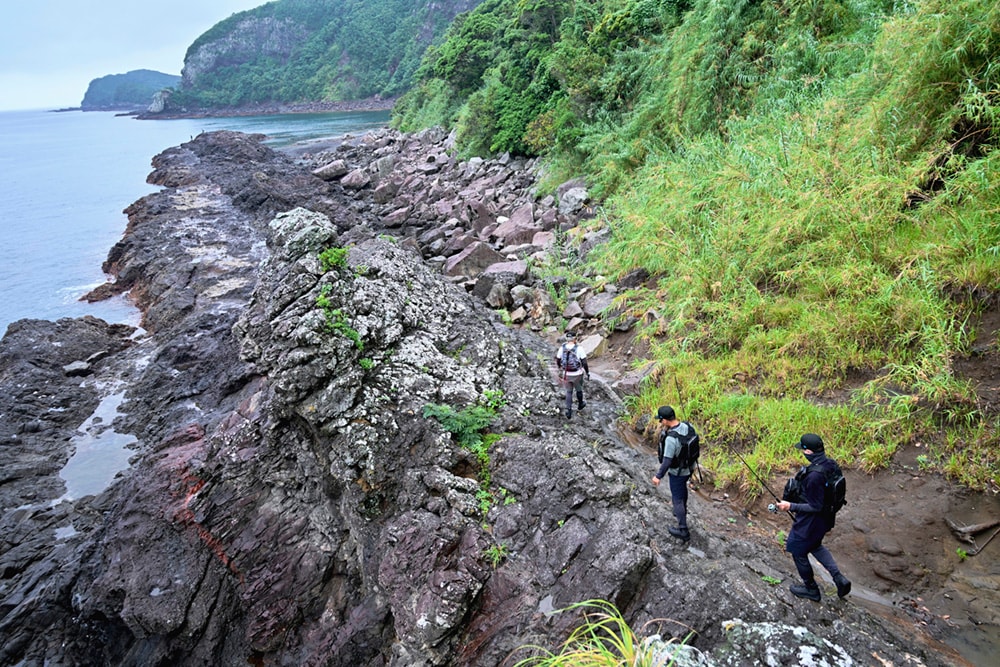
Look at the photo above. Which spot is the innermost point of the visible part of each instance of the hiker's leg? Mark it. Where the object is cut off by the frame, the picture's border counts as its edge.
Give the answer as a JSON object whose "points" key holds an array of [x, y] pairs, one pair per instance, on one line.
{"points": [[679, 496], [825, 558], [569, 398], [579, 393], [804, 568]]}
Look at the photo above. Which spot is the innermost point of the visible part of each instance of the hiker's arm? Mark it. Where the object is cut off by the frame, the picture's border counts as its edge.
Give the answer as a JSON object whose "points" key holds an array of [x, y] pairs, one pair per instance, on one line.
{"points": [[586, 368], [670, 447], [668, 461], [812, 492]]}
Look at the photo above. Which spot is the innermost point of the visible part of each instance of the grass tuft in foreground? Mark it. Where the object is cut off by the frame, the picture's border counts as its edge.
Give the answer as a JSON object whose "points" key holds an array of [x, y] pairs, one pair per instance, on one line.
{"points": [[604, 639]]}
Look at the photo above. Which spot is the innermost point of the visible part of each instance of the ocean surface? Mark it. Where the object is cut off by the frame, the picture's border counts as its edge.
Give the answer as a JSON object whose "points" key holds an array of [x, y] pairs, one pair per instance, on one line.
{"points": [[66, 177]]}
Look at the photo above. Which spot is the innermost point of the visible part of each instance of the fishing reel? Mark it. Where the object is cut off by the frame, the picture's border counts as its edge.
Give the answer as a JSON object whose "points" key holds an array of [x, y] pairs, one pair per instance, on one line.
{"points": [[772, 508]]}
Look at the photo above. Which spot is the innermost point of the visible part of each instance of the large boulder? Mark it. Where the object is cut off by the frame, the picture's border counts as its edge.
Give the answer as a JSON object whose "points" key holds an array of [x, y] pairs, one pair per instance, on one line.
{"points": [[473, 260]]}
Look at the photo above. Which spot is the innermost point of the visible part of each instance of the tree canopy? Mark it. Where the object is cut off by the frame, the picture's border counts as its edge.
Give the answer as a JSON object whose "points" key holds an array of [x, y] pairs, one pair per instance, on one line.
{"points": [[133, 89], [292, 51]]}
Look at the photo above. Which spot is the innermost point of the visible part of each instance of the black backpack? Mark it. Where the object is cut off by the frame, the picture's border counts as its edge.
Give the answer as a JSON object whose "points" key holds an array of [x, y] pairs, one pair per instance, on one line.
{"points": [[570, 359], [690, 450], [834, 489]]}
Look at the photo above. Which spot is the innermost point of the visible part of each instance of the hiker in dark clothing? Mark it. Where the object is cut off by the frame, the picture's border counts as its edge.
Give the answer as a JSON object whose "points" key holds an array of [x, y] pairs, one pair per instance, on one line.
{"points": [[572, 362], [811, 524], [677, 476]]}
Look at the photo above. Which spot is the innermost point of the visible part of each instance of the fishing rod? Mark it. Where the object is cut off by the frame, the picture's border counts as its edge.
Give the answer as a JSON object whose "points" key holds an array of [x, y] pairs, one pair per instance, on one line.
{"points": [[772, 507]]}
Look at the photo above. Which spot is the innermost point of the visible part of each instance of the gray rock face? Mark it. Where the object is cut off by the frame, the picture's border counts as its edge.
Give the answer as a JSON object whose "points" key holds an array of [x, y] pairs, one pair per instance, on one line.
{"points": [[288, 501], [251, 36]]}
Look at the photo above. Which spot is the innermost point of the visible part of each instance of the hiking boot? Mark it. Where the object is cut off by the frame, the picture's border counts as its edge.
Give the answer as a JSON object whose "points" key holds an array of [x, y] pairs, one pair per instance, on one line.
{"points": [[569, 414], [806, 591], [680, 533], [581, 406], [843, 585]]}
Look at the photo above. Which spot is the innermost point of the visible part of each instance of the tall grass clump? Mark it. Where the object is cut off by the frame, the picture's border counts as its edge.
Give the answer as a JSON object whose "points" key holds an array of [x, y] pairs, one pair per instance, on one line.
{"points": [[793, 265], [604, 639]]}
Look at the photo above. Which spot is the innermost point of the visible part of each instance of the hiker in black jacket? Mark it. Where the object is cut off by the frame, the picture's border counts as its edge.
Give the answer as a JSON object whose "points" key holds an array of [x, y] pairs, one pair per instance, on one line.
{"points": [[812, 523]]}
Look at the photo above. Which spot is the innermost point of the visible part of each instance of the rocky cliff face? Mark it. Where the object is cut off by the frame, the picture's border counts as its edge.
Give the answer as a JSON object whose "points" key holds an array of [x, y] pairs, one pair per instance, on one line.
{"points": [[287, 501], [249, 38]]}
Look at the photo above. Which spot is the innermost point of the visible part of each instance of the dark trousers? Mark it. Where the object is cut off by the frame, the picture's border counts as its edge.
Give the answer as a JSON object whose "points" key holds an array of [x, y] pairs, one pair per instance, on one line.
{"points": [[823, 557], [679, 496], [573, 383]]}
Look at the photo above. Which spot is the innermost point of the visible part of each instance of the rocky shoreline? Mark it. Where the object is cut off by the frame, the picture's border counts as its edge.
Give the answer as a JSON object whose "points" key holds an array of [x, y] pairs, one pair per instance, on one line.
{"points": [[287, 501], [376, 103]]}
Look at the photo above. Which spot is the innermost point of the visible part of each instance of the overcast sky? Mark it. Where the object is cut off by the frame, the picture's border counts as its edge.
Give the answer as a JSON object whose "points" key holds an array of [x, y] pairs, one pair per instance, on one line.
{"points": [[50, 50]]}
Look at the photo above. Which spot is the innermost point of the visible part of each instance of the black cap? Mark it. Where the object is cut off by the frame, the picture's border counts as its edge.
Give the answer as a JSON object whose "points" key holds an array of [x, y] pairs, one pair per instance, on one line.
{"points": [[810, 441], [570, 335], [666, 412]]}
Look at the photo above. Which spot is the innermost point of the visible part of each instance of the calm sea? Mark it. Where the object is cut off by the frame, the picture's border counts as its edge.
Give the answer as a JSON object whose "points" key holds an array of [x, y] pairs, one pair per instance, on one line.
{"points": [[65, 179]]}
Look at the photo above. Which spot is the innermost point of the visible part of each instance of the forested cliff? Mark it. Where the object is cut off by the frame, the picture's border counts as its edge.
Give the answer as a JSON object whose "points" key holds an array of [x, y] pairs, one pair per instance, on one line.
{"points": [[293, 51], [132, 90]]}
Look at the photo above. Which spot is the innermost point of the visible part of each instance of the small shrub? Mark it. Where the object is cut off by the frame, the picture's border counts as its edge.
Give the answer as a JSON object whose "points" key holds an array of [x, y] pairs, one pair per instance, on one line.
{"points": [[466, 427], [496, 554], [336, 320], [333, 258]]}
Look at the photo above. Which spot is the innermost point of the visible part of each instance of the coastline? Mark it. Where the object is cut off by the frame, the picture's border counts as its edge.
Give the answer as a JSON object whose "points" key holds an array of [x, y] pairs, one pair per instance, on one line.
{"points": [[369, 104]]}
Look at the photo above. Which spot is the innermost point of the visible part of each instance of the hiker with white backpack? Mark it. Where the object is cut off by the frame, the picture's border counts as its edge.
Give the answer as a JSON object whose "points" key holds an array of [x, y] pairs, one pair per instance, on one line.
{"points": [[572, 362]]}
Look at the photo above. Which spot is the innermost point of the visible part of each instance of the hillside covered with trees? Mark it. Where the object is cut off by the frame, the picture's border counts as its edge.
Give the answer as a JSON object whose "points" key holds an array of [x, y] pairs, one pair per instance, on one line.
{"points": [[132, 90], [295, 51], [810, 189]]}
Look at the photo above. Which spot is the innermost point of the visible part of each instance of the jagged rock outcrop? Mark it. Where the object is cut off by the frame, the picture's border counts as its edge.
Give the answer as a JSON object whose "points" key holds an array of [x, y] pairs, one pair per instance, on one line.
{"points": [[288, 501]]}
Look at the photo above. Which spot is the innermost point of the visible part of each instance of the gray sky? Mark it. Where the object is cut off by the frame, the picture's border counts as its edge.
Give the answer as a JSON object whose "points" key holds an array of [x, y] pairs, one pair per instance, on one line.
{"points": [[50, 50]]}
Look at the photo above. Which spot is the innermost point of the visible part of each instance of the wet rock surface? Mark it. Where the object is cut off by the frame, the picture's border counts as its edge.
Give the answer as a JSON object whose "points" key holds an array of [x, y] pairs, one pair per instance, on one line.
{"points": [[289, 503]]}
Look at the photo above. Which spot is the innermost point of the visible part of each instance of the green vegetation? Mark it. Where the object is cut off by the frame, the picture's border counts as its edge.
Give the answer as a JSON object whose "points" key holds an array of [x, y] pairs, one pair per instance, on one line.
{"points": [[336, 320], [133, 89], [812, 187], [311, 50], [467, 427], [333, 259], [604, 639], [496, 554]]}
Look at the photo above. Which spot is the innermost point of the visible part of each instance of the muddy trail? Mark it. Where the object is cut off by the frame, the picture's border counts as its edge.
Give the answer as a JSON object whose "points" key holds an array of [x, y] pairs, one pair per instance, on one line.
{"points": [[920, 549]]}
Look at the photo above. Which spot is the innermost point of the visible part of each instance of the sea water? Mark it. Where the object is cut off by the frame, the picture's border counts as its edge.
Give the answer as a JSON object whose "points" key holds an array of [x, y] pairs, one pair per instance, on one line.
{"points": [[65, 179]]}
